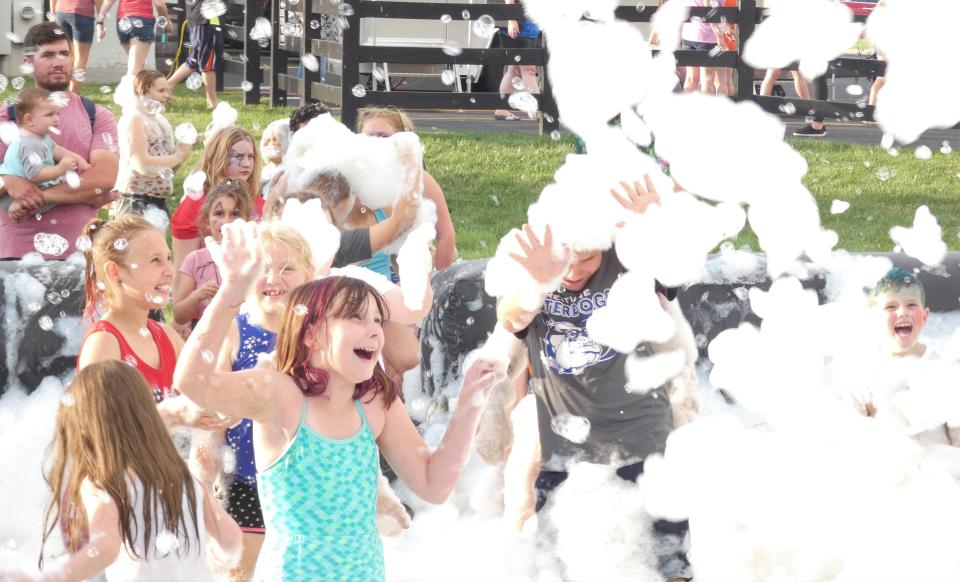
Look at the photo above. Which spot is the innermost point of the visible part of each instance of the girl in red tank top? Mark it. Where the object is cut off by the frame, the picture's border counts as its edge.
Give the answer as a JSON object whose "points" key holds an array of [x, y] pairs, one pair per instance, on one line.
{"points": [[129, 273]]}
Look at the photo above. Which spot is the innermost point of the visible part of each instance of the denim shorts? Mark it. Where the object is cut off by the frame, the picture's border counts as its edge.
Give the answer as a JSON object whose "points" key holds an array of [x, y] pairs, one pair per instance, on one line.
{"points": [[79, 27], [141, 29]]}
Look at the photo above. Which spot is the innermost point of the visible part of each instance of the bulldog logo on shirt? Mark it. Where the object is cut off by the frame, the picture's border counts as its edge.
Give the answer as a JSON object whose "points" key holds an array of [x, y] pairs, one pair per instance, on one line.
{"points": [[567, 349]]}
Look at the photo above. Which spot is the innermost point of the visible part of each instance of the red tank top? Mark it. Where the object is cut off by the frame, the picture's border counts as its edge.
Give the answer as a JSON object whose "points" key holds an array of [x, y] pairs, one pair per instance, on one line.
{"points": [[159, 379]]}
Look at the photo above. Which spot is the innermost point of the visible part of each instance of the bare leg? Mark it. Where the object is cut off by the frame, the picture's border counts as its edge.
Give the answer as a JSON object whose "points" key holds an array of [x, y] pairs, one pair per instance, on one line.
{"points": [[210, 86], [875, 90], [506, 86], [707, 80], [692, 80], [182, 72], [81, 53], [137, 52], [800, 84], [724, 81], [766, 87], [401, 348]]}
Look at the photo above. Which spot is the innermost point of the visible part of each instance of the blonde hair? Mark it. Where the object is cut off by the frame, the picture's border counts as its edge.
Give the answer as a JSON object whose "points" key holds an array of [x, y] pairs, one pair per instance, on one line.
{"points": [[216, 159], [395, 117], [100, 243], [277, 232], [108, 432]]}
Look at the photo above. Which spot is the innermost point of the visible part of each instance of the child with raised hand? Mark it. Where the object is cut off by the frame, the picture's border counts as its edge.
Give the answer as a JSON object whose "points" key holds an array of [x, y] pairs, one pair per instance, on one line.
{"points": [[197, 280], [320, 417], [33, 155], [128, 273], [116, 476]]}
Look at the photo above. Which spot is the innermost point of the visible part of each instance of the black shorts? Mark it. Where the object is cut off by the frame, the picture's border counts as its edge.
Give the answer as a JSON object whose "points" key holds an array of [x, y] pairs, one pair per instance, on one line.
{"points": [[243, 505], [692, 45], [206, 47], [519, 42]]}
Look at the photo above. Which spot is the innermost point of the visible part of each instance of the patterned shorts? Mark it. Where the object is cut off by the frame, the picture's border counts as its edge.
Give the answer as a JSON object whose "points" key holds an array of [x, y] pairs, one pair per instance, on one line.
{"points": [[243, 505]]}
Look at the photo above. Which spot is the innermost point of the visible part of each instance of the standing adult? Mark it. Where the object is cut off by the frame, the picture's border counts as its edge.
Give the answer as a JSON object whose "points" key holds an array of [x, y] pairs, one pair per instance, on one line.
{"points": [[136, 28], [88, 130], [76, 17], [206, 50], [520, 34]]}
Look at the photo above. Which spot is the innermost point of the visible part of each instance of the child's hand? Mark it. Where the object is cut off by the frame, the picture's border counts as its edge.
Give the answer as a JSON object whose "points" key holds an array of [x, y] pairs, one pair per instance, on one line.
{"points": [[101, 31], [638, 197], [17, 211], [238, 258], [206, 291], [67, 163], [538, 258], [405, 211], [480, 378], [82, 164]]}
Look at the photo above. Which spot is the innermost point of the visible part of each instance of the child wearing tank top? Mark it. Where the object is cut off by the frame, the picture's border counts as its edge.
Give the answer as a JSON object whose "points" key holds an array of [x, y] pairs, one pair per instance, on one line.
{"points": [[145, 517]]}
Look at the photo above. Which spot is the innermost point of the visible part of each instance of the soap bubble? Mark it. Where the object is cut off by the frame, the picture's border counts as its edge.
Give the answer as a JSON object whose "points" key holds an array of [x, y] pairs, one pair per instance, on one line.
{"points": [[50, 243], [448, 77], [261, 29], [359, 91], [4, 82], [26, 68], [310, 62], [465, 14], [207, 356], [300, 309], [211, 9], [45, 323], [855, 90], [120, 244], [451, 48], [67, 400], [575, 429], [17, 83], [105, 89], [79, 75], [194, 81], [246, 86], [789, 108], [345, 10], [72, 179], [162, 21], [445, 18], [314, 24], [525, 102], [484, 26], [124, 24], [186, 133], [923, 153], [166, 543], [945, 148], [156, 217]]}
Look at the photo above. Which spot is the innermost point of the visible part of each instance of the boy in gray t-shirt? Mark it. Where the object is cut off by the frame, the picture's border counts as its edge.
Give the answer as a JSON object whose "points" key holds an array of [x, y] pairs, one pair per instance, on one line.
{"points": [[33, 155]]}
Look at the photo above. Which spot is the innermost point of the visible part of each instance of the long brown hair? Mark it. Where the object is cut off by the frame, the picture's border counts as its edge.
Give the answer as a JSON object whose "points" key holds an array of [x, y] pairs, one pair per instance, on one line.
{"points": [[144, 81], [311, 304], [108, 431], [99, 243], [395, 117], [216, 159]]}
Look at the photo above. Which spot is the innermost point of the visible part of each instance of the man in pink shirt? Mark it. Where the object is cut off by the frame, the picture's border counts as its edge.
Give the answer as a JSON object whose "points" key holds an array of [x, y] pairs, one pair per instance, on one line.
{"points": [[95, 140]]}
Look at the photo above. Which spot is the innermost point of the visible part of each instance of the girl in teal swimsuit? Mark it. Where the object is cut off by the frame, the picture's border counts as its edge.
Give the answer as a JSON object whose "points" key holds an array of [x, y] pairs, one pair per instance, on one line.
{"points": [[320, 417]]}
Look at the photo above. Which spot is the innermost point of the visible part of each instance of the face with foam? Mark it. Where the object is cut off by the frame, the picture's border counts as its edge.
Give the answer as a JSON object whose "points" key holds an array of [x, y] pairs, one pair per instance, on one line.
{"points": [[904, 316], [145, 277], [283, 272], [583, 266], [350, 346], [271, 147]]}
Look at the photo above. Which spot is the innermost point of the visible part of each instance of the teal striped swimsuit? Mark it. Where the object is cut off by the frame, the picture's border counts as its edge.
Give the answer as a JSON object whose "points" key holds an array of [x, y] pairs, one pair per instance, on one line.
{"points": [[319, 504]]}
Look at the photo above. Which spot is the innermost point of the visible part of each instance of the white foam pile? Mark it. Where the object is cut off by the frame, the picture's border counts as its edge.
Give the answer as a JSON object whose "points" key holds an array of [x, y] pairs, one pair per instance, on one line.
{"points": [[915, 38]]}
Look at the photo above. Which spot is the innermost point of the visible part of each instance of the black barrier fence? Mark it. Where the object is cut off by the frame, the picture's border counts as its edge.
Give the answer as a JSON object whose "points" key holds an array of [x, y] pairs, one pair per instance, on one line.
{"points": [[351, 94]]}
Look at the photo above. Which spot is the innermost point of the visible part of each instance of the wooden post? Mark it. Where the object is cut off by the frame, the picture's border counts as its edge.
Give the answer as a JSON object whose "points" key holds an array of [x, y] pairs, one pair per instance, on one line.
{"points": [[278, 58], [350, 76], [251, 53], [746, 24]]}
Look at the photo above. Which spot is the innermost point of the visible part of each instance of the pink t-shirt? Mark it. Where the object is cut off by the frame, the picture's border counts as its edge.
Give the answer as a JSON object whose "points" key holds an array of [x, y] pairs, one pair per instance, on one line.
{"points": [[200, 267], [67, 220], [81, 7], [141, 8], [698, 31]]}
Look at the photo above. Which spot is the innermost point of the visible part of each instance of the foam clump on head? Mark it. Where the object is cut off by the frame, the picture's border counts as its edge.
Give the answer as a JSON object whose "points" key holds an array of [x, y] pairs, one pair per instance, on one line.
{"points": [[375, 167], [785, 36], [309, 219], [632, 314], [917, 38]]}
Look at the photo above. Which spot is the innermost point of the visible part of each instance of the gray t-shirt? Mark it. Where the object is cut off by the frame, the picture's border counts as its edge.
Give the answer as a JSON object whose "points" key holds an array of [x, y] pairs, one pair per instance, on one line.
{"points": [[573, 375], [354, 247], [25, 157]]}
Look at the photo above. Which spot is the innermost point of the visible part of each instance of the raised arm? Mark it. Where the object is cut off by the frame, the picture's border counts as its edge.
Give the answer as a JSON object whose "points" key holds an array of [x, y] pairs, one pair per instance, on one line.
{"points": [[246, 394], [539, 260], [142, 161], [446, 235], [433, 475]]}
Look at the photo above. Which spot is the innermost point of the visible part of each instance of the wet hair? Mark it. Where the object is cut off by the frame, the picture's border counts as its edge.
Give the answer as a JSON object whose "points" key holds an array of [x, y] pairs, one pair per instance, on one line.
{"points": [[896, 280], [236, 190], [303, 114], [276, 232], [331, 188], [44, 33], [216, 158], [108, 432], [99, 241], [340, 297], [395, 117], [28, 101], [144, 80]]}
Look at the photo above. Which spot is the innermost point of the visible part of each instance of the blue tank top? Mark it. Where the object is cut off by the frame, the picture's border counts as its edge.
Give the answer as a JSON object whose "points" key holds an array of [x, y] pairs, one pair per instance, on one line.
{"points": [[380, 263], [254, 340], [319, 504]]}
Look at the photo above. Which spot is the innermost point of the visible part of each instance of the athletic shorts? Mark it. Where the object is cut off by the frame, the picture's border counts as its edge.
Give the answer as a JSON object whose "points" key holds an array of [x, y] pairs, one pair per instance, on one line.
{"points": [[79, 27], [206, 47], [142, 29], [692, 45], [243, 505]]}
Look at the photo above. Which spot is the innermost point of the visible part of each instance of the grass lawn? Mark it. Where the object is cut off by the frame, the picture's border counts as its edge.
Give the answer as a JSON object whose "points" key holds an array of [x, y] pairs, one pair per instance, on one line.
{"points": [[490, 179]]}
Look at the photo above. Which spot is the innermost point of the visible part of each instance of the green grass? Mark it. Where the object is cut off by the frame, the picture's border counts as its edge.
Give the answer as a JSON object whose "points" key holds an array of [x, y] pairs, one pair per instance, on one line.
{"points": [[490, 178]]}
